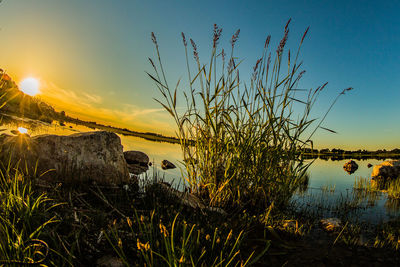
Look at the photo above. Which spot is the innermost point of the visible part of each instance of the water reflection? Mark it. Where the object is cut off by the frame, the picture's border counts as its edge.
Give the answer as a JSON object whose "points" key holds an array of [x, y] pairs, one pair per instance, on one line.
{"points": [[326, 187]]}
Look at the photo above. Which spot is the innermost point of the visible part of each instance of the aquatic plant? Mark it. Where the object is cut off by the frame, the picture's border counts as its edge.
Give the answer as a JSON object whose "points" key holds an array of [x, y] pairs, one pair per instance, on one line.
{"points": [[393, 189], [241, 140]]}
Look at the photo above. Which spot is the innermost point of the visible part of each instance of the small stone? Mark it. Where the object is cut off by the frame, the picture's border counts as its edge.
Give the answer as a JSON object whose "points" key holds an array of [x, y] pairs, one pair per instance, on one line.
{"points": [[350, 166], [136, 157], [330, 224], [290, 224], [109, 261], [137, 169], [165, 165]]}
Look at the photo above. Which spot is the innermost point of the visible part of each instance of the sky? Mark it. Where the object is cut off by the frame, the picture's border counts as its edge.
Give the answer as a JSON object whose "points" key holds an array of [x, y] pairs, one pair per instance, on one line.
{"points": [[91, 56]]}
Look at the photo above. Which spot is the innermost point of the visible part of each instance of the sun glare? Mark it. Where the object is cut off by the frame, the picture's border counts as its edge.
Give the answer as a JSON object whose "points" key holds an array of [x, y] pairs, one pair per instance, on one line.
{"points": [[29, 86], [22, 130]]}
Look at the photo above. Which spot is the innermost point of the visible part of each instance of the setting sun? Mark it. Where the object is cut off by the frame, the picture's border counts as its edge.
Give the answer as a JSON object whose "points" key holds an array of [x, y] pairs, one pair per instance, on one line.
{"points": [[29, 86]]}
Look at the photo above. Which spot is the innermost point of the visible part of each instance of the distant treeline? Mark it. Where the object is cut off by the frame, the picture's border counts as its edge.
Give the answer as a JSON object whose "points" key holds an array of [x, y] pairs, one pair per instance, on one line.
{"points": [[340, 154], [123, 131]]}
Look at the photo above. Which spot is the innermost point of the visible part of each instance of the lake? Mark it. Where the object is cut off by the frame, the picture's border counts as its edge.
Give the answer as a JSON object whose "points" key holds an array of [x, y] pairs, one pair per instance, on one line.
{"points": [[328, 185]]}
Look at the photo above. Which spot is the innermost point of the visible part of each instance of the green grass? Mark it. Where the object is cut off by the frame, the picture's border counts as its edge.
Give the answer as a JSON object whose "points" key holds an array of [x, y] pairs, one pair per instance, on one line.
{"points": [[150, 228], [240, 139], [393, 189], [361, 183], [24, 217], [372, 186], [177, 243], [328, 188]]}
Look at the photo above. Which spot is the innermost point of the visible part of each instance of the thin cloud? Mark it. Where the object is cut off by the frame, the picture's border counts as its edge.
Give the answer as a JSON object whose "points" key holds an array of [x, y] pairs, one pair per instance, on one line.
{"points": [[50, 90], [93, 98], [86, 106]]}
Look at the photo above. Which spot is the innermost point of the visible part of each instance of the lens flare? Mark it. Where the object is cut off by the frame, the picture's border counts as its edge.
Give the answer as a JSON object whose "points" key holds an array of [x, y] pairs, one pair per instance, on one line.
{"points": [[22, 130]]}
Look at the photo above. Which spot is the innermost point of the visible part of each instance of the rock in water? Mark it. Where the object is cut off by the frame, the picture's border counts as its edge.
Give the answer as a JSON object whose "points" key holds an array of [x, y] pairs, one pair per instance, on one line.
{"points": [[91, 156], [350, 166], [138, 162], [136, 157], [330, 224], [165, 165], [387, 169], [137, 169]]}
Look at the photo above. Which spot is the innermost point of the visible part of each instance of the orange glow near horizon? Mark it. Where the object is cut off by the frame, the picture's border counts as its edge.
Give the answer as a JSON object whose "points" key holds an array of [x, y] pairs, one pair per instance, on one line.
{"points": [[30, 86]]}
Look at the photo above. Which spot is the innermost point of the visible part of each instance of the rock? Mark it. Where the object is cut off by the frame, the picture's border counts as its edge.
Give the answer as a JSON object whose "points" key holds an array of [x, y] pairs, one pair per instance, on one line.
{"points": [[387, 169], [369, 165], [165, 165], [91, 156], [109, 261], [185, 198], [350, 166], [138, 162], [137, 168], [136, 157], [330, 224], [290, 224]]}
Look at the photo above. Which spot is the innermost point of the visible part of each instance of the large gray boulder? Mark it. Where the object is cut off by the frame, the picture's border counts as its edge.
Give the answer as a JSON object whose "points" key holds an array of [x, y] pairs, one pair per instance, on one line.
{"points": [[387, 169], [90, 156]]}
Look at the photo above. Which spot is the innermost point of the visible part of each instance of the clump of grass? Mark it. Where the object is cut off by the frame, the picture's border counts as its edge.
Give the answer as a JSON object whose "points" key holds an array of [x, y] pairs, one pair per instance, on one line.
{"points": [[372, 186], [328, 188], [361, 183], [177, 243], [388, 235], [240, 140], [3, 87], [24, 218], [393, 189]]}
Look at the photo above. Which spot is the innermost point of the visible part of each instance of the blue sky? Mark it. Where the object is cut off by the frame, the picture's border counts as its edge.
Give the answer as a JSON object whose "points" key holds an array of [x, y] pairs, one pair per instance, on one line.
{"points": [[91, 56]]}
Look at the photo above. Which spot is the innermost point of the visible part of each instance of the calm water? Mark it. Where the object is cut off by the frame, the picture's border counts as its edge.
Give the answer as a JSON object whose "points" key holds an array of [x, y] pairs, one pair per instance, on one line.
{"points": [[328, 184]]}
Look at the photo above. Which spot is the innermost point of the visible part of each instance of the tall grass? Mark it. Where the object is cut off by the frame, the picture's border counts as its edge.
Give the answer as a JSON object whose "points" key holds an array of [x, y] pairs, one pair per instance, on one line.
{"points": [[23, 219], [393, 189], [177, 243], [240, 140], [3, 92]]}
